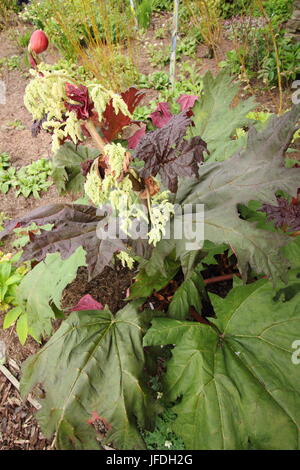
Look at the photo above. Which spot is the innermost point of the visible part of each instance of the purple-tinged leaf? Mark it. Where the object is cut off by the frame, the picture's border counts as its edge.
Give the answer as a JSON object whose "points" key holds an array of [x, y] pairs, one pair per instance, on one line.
{"points": [[285, 215], [162, 115], [87, 302], [37, 126], [187, 101], [167, 152], [75, 225]]}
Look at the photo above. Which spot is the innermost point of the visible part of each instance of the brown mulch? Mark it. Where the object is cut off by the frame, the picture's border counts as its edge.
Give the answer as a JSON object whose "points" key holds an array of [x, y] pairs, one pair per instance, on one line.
{"points": [[109, 288], [18, 427]]}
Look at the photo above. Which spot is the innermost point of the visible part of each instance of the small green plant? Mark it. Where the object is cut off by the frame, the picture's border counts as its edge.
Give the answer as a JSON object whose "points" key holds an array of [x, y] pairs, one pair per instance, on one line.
{"points": [[7, 179], [157, 80], [4, 160], [34, 178], [11, 63], [10, 277], [159, 33], [17, 125], [289, 54], [162, 5], [189, 81], [158, 57], [187, 46], [141, 113], [23, 39], [31, 179], [163, 438]]}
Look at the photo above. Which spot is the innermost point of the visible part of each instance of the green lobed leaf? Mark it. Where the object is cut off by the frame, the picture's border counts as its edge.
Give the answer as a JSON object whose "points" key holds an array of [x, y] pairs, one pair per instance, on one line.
{"points": [[93, 364], [189, 294], [237, 385], [216, 120], [42, 287], [292, 252], [22, 328], [67, 174]]}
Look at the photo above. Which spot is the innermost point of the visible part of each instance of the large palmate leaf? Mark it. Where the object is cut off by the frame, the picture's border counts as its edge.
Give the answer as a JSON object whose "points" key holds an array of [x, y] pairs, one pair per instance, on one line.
{"points": [[256, 171], [166, 152], [216, 120], [93, 365], [236, 382], [67, 171], [42, 288], [75, 225]]}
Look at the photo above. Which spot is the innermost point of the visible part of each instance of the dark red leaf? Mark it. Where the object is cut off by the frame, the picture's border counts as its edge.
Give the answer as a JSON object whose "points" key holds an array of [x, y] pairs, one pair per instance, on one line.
{"points": [[162, 115], [134, 140], [113, 123], [79, 94]]}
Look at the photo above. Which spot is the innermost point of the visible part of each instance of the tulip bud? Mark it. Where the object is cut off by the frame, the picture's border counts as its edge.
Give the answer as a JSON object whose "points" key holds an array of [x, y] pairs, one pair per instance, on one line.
{"points": [[38, 42]]}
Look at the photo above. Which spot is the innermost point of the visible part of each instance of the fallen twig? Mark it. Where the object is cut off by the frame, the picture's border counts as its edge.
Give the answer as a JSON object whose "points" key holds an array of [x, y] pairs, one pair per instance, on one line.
{"points": [[16, 384]]}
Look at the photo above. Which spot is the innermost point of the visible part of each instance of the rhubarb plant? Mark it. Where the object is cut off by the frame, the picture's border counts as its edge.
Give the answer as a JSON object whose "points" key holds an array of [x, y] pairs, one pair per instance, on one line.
{"points": [[230, 372]]}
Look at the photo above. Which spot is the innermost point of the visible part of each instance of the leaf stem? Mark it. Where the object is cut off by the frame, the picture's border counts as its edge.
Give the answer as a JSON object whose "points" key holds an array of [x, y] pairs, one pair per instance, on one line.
{"points": [[90, 126]]}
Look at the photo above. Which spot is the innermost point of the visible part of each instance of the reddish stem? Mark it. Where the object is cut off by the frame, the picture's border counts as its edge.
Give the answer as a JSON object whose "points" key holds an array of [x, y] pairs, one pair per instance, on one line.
{"points": [[196, 316], [224, 277]]}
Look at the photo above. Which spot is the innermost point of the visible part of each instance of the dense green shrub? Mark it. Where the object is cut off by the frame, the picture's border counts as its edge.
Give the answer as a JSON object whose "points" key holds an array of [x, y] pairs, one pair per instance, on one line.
{"points": [[256, 57], [277, 10], [231, 8]]}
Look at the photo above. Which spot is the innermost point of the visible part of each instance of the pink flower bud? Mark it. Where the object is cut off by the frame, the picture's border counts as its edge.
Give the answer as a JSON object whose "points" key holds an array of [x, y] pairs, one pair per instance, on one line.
{"points": [[38, 42]]}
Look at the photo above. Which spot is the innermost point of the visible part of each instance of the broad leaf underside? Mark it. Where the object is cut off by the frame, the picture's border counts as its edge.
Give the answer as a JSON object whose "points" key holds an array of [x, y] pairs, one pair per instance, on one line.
{"points": [[75, 226]]}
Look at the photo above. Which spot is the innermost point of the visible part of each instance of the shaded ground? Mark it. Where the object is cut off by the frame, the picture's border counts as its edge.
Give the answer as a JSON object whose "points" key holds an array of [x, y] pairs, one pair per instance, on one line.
{"points": [[109, 288]]}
